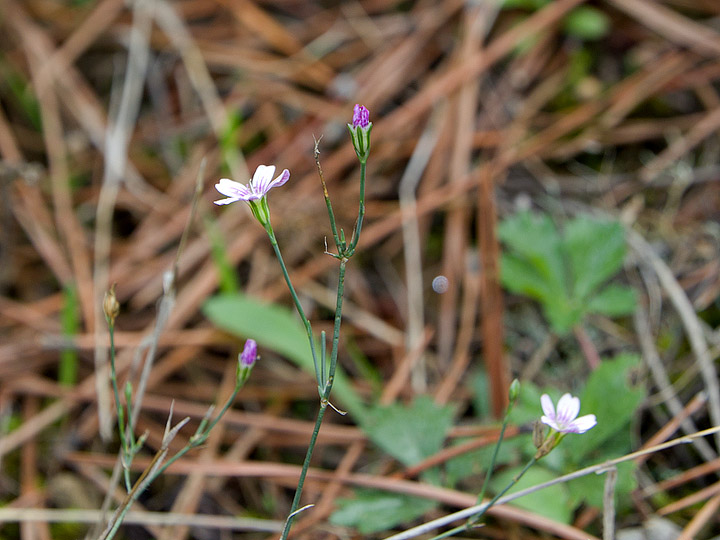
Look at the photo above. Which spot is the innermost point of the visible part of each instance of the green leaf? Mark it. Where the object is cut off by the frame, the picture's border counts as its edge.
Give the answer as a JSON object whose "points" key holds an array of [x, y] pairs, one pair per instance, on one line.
{"points": [[565, 273], [587, 23], [276, 328], [613, 301], [521, 277], [373, 511], [564, 313], [596, 250], [535, 267], [551, 502], [535, 239], [609, 395], [409, 433]]}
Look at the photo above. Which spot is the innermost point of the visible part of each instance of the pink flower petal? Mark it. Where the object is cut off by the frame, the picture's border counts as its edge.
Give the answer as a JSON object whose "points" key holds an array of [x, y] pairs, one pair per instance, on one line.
{"points": [[568, 407], [231, 188], [280, 180], [261, 179], [547, 406], [226, 201], [564, 418], [585, 423], [258, 187]]}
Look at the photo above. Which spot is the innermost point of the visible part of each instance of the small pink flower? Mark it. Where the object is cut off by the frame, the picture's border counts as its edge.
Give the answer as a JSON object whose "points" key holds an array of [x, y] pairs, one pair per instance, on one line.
{"points": [[564, 419], [256, 189]]}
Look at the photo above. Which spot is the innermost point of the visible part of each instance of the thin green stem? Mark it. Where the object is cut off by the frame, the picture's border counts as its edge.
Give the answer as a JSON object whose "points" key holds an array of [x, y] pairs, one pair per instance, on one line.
{"points": [[344, 253], [336, 328], [119, 408], [512, 482], [472, 521], [328, 204], [199, 437], [129, 433], [298, 305], [132, 495], [153, 471], [491, 468], [361, 211], [305, 467], [328, 384]]}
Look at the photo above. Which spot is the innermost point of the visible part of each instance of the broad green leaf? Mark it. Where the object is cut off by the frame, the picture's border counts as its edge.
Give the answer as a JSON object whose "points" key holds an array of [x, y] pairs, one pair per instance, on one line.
{"points": [[596, 250], [564, 313], [610, 397], [587, 23], [409, 433], [565, 273], [551, 502], [535, 239], [274, 327], [372, 511], [521, 277], [613, 301]]}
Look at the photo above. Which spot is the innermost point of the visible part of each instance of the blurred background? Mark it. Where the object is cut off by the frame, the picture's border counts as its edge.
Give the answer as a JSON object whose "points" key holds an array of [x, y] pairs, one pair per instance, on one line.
{"points": [[542, 203]]}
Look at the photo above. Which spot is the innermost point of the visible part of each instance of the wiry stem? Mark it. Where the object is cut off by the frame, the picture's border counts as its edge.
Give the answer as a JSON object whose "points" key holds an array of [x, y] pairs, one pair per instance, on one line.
{"points": [[325, 381], [324, 400], [361, 211], [298, 305], [119, 407]]}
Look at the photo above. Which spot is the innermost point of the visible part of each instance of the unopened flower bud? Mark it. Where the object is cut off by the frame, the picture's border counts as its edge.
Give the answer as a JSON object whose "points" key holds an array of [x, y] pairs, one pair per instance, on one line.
{"points": [[249, 354], [246, 361], [360, 132], [514, 391], [361, 116], [537, 434], [111, 307]]}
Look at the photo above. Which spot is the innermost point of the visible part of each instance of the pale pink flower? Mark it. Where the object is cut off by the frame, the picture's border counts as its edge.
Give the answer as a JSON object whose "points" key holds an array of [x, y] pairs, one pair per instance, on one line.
{"points": [[262, 182], [564, 419]]}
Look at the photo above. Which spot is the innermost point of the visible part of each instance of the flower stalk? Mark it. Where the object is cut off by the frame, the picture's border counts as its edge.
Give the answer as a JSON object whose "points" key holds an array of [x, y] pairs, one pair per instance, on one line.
{"points": [[130, 447], [562, 421], [255, 194]]}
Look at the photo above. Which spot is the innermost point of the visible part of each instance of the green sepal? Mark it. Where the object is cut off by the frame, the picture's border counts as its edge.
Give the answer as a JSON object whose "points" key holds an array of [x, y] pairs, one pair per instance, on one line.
{"points": [[260, 210], [361, 140]]}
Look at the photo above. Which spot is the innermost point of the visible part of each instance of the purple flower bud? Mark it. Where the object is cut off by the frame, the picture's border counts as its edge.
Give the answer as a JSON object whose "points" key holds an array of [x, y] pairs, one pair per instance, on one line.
{"points": [[361, 116], [360, 132], [249, 354]]}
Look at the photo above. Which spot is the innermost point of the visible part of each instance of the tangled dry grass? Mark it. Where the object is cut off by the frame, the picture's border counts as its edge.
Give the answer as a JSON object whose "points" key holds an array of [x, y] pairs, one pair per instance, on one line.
{"points": [[109, 107]]}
